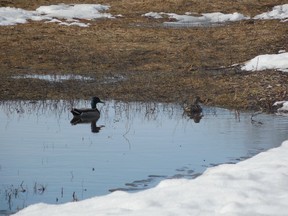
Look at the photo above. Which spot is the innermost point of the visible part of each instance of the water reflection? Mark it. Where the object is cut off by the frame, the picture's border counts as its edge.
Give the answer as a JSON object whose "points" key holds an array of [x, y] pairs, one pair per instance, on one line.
{"points": [[67, 77], [53, 78], [94, 128], [196, 117], [142, 144]]}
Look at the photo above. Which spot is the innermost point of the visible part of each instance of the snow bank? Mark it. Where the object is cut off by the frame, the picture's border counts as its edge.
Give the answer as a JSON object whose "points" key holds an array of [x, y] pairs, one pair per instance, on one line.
{"points": [[278, 12], [267, 61], [257, 186], [71, 13]]}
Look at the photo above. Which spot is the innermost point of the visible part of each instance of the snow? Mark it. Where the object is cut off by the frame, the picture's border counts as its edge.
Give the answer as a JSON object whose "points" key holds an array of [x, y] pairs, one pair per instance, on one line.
{"points": [[77, 11], [278, 12], [13, 16], [282, 107], [72, 13], [257, 186], [267, 61], [154, 15], [204, 19]]}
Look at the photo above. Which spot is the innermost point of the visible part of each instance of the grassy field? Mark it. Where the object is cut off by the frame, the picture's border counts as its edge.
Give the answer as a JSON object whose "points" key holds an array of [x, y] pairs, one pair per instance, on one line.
{"points": [[156, 63]]}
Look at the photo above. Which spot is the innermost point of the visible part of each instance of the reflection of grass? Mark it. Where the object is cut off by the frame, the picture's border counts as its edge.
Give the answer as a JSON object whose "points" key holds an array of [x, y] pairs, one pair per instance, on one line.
{"points": [[13, 192], [110, 111], [159, 64]]}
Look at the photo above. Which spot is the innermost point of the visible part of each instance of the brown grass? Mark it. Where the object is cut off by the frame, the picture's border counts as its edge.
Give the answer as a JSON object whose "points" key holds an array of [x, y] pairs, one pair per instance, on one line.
{"points": [[159, 64]]}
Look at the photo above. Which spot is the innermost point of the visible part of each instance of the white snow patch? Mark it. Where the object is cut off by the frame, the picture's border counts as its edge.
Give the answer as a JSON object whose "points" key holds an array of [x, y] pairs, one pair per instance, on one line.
{"points": [[283, 107], [154, 15], [71, 13], [266, 62], [13, 16], [278, 12], [204, 19], [77, 11]]}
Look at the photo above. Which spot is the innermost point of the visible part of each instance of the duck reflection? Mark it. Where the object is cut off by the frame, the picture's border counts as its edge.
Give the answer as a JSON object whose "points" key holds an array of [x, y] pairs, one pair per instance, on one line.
{"points": [[94, 128], [195, 116]]}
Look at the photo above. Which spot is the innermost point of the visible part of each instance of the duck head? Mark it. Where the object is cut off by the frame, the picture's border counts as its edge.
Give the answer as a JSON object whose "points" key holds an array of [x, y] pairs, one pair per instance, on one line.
{"points": [[94, 101]]}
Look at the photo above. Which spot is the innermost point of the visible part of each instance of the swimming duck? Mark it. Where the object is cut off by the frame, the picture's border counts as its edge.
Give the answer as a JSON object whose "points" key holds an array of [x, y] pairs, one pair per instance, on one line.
{"points": [[92, 112], [194, 108]]}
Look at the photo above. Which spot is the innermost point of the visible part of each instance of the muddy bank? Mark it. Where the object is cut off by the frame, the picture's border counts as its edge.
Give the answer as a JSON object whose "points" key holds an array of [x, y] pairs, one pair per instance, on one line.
{"points": [[145, 60]]}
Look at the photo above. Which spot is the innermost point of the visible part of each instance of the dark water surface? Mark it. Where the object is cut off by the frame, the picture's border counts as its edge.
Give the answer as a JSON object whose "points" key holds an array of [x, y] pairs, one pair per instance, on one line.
{"points": [[133, 146]]}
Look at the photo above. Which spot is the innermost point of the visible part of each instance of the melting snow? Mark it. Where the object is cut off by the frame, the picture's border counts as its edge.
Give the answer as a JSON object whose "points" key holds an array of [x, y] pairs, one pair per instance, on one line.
{"points": [[278, 12], [267, 61], [71, 13], [282, 107], [204, 19]]}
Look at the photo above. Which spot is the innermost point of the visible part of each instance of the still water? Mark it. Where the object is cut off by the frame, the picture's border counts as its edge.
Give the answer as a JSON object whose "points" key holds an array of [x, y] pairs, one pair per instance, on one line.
{"points": [[133, 146]]}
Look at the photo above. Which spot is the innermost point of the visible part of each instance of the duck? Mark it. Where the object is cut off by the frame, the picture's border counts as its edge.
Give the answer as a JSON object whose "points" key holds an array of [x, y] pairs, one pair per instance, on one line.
{"points": [[86, 113], [194, 108]]}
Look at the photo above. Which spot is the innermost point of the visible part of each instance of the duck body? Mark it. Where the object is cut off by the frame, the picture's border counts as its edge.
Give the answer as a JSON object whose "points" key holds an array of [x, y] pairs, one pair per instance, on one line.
{"points": [[92, 112], [85, 113], [194, 108]]}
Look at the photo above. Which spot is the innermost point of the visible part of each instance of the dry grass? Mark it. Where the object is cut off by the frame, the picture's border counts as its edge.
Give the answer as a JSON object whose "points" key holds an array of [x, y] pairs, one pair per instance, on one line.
{"points": [[136, 7], [160, 64]]}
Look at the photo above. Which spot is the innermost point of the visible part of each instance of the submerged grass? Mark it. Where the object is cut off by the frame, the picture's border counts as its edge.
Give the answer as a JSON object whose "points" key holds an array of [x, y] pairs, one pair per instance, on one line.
{"points": [[158, 63]]}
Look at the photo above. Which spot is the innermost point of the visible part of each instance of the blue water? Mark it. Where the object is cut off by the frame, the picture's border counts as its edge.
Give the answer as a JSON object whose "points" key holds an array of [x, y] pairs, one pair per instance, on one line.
{"points": [[43, 158]]}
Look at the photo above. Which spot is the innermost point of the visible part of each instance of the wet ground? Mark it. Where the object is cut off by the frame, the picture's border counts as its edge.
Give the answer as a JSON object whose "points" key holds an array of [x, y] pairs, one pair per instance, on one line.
{"points": [[136, 58], [133, 146]]}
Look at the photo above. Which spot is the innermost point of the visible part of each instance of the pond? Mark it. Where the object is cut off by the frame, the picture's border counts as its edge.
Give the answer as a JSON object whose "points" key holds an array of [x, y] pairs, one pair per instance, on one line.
{"points": [[133, 146]]}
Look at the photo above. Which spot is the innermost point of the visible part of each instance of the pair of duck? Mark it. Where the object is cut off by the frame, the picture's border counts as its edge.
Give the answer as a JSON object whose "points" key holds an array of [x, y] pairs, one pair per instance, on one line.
{"points": [[93, 112]]}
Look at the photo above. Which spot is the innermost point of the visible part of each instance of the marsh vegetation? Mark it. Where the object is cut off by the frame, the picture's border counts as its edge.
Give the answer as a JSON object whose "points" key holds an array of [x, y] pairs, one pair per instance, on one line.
{"points": [[151, 62]]}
